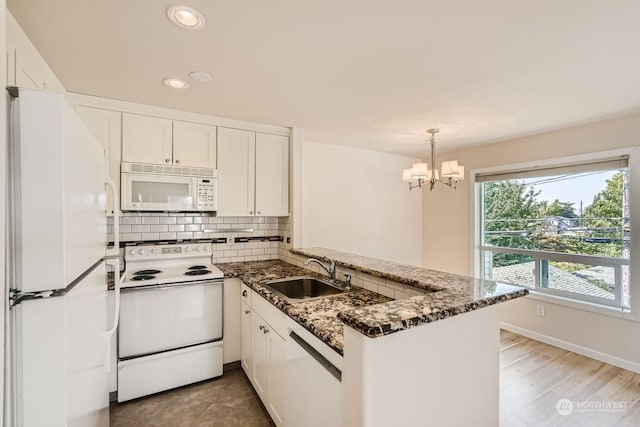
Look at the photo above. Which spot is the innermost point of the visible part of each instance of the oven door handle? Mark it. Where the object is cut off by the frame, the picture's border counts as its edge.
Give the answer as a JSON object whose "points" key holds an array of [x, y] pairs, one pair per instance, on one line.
{"points": [[170, 286]]}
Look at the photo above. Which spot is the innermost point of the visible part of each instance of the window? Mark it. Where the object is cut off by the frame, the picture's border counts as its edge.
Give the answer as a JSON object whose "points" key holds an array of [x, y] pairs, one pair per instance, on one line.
{"points": [[558, 230]]}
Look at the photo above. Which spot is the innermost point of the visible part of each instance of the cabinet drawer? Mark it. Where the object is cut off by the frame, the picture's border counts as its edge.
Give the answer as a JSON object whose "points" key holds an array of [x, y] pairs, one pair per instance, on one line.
{"points": [[245, 294], [272, 315]]}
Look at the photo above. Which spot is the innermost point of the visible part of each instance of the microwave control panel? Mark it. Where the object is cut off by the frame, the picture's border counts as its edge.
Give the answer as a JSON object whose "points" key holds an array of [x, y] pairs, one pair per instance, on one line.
{"points": [[206, 194]]}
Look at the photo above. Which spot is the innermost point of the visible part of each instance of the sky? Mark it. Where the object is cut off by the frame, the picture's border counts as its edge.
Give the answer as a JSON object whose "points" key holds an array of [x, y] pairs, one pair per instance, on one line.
{"points": [[582, 187]]}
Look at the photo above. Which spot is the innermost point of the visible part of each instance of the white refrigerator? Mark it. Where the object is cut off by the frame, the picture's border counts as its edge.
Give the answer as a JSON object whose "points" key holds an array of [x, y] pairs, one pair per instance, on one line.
{"points": [[57, 355]]}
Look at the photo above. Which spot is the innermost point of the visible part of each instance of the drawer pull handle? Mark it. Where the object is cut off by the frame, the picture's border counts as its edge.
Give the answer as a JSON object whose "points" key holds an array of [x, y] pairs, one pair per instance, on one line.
{"points": [[262, 327], [247, 311], [244, 293]]}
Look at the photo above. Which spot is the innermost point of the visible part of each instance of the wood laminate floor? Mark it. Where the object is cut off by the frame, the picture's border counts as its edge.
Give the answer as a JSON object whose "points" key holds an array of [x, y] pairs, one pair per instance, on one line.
{"points": [[533, 378]]}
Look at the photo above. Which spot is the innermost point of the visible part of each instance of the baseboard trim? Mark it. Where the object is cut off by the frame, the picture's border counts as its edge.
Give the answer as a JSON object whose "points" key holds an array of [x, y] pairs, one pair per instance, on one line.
{"points": [[231, 366], [585, 351]]}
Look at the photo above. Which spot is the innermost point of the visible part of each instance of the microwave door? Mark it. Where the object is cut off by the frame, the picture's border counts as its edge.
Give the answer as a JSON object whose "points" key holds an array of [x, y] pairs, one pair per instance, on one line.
{"points": [[162, 193]]}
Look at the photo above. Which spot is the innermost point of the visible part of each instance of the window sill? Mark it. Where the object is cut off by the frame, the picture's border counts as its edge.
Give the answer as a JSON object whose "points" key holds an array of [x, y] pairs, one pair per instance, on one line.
{"points": [[584, 305]]}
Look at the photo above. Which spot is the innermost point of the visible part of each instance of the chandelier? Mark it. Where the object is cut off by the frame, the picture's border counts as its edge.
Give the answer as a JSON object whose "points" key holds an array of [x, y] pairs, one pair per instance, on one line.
{"points": [[419, 174]]}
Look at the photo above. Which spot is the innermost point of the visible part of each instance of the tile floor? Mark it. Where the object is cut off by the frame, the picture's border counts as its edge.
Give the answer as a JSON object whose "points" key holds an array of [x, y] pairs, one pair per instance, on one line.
{"points": [[228, 401]]}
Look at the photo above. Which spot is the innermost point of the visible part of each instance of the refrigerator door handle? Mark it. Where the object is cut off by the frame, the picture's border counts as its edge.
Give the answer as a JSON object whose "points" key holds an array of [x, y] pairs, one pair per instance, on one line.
{"points": [[115, 262], [115, 251], [114, 258]]}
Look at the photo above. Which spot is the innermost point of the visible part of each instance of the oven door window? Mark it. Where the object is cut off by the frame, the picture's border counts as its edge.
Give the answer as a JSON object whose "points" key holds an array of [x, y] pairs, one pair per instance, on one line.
{"points": [[170, 193]]}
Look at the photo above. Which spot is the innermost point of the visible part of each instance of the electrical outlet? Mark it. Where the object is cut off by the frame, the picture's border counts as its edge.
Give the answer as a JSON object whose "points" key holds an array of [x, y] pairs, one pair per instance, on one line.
{"points": [[541, 310], [230, 240]]}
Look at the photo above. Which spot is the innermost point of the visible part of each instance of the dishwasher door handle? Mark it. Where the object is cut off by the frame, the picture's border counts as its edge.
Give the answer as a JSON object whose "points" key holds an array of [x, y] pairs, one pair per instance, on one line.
{"points": [[323, 361]]}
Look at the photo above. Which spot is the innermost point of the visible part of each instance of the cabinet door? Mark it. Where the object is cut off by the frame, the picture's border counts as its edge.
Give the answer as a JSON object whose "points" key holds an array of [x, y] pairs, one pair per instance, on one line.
{"points": [[277, 349], [106, 126], [272, 175], [260, 344], [236, 172], [146, 139], [246, 350], [194, 145]]}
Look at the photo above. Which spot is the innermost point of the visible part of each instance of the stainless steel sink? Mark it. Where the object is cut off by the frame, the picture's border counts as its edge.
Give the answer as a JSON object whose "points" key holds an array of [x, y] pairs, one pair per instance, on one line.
{"points": [[299, 288]]}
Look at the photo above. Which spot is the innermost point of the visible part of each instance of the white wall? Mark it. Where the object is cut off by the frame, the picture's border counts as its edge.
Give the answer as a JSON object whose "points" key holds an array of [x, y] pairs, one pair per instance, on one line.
{"points": [[448, 240], [3, 186], [354, 201]]}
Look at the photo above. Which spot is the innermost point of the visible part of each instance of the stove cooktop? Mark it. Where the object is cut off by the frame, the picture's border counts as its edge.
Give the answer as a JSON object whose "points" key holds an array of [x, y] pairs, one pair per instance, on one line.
{"points": [[172, 274], [162, 264]]}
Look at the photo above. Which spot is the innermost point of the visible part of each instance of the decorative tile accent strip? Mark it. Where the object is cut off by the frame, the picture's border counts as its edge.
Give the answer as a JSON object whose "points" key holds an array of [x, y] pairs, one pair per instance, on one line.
{"points": [[176, 226], [151, 226]]}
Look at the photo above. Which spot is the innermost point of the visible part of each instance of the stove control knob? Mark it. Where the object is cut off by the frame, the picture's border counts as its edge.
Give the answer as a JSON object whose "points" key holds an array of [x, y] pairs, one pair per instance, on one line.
{"points": [[187, 249], [206, 248], [132, 252], [154, 251], [198, 249], [141, 251]]}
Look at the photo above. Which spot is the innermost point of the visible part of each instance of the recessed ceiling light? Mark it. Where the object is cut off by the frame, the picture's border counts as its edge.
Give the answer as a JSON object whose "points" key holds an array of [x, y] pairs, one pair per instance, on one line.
{"points": [[186, 17], [200, 76], [176, 83]]}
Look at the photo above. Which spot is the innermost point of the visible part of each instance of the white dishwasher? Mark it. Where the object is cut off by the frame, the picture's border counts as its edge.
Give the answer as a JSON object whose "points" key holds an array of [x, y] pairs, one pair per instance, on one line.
{"points": [[313, 381]]}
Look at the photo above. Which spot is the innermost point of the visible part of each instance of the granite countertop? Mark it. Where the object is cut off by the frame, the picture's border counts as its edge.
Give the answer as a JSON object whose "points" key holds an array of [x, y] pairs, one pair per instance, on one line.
{"points": [[447, 294], [319, 316], [372, 314]]}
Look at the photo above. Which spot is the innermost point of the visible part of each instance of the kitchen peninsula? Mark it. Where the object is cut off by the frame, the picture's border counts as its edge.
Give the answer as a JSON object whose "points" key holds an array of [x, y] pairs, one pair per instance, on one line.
{"points": [[428, 355]]}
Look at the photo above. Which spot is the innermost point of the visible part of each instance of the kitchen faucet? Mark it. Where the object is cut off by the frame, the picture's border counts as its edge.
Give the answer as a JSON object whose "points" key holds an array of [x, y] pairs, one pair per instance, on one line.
{"points": [[331, 270]]}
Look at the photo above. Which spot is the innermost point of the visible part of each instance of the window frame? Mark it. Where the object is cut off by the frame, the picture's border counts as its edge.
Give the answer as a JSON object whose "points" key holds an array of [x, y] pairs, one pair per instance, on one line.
{"points": [[561, 297]]}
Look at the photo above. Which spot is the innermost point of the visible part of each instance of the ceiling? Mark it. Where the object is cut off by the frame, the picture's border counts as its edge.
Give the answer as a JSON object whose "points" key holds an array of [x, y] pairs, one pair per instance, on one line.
{"points": [[369, 74]]}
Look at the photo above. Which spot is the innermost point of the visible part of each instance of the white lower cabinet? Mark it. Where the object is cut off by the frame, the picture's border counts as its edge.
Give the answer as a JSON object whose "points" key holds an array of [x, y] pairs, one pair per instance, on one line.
{"points": [[246, 349], [296, 375], [276, 361], [260, 344], [263, 352]]}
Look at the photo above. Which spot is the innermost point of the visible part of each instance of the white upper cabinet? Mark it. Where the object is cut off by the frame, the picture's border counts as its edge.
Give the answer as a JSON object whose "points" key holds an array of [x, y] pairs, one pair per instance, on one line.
{"points": [[146, 139], [253, 173], [236, 172], [272, 175], [106, 126], [194, 144], [160, 141]]}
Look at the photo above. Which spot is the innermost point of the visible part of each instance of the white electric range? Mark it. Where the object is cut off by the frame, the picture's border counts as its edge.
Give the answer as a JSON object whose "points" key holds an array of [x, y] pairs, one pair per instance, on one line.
{"points": [[170, 331]]}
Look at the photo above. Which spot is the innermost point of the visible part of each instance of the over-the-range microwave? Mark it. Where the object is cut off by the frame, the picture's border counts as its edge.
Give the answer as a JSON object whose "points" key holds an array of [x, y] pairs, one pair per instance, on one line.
{"points": [[168, 188]]}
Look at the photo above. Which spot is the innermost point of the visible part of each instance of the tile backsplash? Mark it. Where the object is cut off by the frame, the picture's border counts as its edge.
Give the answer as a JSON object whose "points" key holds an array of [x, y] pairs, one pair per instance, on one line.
{"points": [[159, 226]]}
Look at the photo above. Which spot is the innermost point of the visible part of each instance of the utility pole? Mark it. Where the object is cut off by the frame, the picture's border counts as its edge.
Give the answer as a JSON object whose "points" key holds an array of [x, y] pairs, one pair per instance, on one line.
{"points": [[581, 217]]}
